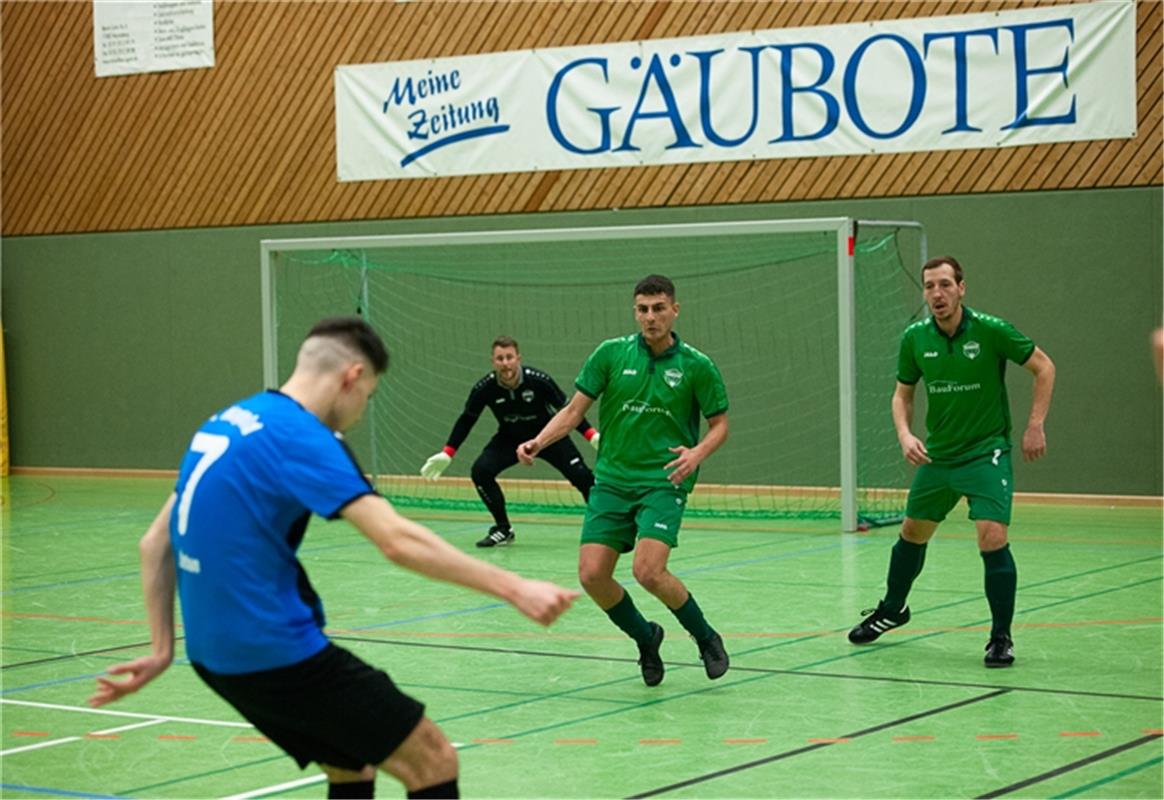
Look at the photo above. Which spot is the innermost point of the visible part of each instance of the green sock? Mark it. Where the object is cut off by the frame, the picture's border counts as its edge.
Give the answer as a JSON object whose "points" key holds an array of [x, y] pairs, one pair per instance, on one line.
{"points": [[905, 564], [1001, 580], [627, 617], [690, 616]]}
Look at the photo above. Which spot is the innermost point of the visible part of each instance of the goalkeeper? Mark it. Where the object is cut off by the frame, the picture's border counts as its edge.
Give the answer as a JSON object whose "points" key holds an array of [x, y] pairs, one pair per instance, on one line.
{"points": [[523, 399]]}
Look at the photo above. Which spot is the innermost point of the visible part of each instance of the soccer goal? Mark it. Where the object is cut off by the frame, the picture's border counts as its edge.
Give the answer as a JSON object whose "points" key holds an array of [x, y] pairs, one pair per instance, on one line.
{"points": [[802, 316]]}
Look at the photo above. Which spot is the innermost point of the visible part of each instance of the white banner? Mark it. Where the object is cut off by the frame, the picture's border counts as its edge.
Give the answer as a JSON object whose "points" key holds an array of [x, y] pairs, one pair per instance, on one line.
{"points": [[1054, 74], [131, 37]]}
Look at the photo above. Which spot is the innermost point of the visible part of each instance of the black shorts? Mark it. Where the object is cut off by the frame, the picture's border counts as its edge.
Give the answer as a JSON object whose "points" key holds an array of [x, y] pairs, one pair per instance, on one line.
{"points": [[331, 708]]}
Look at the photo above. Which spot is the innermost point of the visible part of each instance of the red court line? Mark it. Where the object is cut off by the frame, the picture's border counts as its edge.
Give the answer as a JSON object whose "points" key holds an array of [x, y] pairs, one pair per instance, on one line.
{"points": [[172, 737], [30, 733], [64, 618], [493, 741], [575, 741], [1154, 731], [1079, 733], [989, 737], [102, 736], [913, 738], [841, 740], [660, 741], [250, 739]]}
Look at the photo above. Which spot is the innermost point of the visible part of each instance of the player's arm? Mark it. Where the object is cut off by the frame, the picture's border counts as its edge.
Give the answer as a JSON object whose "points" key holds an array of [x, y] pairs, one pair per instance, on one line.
{"points": [[567, 418], [438, 462], [1035, 438], [688, 459], [912, 448], [416, 548], [556, 399], [158, 579]]}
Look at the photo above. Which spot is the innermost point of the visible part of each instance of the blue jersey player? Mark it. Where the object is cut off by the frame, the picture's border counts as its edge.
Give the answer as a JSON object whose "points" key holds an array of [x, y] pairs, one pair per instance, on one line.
{"points": [[226, 542]]}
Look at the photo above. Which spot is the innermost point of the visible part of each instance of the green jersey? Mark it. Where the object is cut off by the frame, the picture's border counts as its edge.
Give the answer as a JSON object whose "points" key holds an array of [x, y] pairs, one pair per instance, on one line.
{"points": [[967, 412], [649, 404]]}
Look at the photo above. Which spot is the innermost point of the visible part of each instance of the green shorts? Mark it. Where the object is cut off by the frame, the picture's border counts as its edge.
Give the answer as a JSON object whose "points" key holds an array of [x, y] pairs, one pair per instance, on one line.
{"points": [[986, 482], [617, 516]]}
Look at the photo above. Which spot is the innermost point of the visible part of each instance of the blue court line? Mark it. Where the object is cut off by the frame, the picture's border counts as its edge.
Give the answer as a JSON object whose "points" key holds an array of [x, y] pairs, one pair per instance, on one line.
{"points": [[55, 792], [74, 679], [424, 617], [102, 579], [765, 559]]}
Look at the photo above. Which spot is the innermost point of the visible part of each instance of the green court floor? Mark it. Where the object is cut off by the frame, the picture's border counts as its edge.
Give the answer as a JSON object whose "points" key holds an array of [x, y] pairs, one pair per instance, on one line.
{"points": [[563, 713]]}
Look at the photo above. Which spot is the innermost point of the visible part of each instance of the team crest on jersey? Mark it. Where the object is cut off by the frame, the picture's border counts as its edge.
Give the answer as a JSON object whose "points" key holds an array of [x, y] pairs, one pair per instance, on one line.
{"points": [[673, 377], [971, 350], [527, 395]]}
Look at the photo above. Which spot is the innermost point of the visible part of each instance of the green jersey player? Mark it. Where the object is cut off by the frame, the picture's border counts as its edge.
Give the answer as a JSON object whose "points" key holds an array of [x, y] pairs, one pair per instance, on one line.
{"points": [[961, 356], [654, 388]]}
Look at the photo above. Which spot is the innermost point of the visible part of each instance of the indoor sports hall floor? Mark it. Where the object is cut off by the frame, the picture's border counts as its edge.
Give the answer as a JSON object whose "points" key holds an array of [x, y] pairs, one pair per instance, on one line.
{"points": [[563, 712]]}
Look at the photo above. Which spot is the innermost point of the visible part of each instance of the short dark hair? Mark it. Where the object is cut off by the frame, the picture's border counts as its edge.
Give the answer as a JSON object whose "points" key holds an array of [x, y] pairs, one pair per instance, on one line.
{"points": [[357, 334], [505, 341], [655, 284], [941, 261]]}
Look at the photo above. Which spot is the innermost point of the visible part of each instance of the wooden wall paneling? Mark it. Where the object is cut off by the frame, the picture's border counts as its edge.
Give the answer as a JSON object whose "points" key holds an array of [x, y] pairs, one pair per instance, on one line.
{"points": [[744, 189], [1103, 165], [973, 164], [49, 136], [649, 25], [1044, 171], [212, 172], [152, 143], [306, 83], [25, 57], [1153, 170], [62, 132], [999, 162], [235, 164], [362, 27], [1147, 151], [656, 193], [580, 185]]}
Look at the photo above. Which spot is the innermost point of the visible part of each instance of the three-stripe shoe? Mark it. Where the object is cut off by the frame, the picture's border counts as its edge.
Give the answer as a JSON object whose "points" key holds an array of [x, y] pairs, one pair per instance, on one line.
{"points": [[877, 621], [497, 537]]}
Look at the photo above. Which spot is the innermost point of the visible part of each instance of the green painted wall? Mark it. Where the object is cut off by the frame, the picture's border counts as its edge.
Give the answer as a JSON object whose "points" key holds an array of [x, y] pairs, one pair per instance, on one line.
{"points": [[119, 344]]}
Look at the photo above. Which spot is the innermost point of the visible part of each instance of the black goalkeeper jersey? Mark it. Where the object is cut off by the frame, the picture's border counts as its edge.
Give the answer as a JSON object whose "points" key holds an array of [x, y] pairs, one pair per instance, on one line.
{"points": [[521, 412]]}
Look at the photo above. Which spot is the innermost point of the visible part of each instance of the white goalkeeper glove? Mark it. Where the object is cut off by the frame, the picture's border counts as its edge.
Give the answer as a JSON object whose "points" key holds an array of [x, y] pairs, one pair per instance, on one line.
{"points": [[594, 440], [436, 465]]}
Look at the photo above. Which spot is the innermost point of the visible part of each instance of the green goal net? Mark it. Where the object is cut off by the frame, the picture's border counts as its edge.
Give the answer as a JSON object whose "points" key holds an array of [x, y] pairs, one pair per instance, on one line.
{"points": [[809, 373]]}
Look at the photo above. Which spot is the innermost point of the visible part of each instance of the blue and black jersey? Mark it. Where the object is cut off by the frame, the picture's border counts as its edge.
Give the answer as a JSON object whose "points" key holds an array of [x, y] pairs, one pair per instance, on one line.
{"points": [[251, 479]]}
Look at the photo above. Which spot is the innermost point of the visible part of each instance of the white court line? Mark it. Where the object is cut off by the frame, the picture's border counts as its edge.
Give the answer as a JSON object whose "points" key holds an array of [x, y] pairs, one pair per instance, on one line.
{"points": [[67, 739], [291, 784], [278, 787], [159, 717]]}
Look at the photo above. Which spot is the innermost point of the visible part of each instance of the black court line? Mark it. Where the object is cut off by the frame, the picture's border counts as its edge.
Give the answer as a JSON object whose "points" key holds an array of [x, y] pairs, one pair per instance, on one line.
{"points": [[67, 656], [760, 670], [801, 750], [1014, 787]]}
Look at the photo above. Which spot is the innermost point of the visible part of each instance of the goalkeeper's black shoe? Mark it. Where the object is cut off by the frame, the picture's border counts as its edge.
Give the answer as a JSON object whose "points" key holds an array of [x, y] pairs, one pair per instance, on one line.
{"points": [[999, 652], [877, 621], [650, 661], [497, 537], [714, 656]]}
